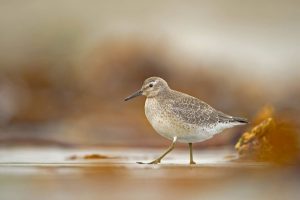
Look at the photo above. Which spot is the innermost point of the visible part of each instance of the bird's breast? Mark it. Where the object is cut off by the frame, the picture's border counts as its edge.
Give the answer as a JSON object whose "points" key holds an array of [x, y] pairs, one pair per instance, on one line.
{"points": [[158, 118], [163, 122], [154, 112]]}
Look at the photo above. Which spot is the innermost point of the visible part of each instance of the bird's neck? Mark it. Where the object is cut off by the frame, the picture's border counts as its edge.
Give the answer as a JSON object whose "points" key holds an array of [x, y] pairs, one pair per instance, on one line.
{"points": [[164, 93]]}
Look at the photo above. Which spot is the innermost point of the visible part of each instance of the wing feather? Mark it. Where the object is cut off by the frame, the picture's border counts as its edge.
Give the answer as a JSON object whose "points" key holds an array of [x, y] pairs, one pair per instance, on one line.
{"points": [[193, 111]]}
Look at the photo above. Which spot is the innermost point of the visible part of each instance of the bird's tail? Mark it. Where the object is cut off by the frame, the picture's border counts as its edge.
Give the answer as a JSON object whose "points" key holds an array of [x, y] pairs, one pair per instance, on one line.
{"points": [[240, 120], [227, 118]]}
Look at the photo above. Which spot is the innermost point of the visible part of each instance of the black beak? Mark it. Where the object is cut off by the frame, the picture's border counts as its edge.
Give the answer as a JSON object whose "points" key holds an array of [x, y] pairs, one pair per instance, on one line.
{"points": [[136, 94]]}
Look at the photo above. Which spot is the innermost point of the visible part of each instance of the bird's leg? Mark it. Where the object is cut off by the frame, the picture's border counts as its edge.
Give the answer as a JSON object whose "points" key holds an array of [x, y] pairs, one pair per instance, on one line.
{"points": [[157, 160], [191, 154]]}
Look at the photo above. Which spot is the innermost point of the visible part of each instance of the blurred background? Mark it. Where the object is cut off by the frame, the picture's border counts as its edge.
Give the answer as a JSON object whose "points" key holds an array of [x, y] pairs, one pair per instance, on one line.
{"points": [[66, 66]]}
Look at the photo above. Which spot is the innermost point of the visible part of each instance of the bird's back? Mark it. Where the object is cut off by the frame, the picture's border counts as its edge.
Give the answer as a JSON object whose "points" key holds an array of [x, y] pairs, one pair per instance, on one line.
{"points": [[191, 110]]}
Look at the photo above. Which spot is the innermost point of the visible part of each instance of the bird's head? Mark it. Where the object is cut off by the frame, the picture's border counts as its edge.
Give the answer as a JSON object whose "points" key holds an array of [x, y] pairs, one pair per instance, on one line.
{"points": [[151, 87]]}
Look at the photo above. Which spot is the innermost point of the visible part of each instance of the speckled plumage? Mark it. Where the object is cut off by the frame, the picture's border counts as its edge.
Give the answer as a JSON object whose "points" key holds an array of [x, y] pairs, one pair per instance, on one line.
{"points": [[172, 113], [181, 117], [177, 115]]}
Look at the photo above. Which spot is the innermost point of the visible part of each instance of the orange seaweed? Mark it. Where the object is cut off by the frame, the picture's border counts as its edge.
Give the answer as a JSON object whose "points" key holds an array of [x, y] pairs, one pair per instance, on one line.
{"points": [[271, 139], [88, 157]]}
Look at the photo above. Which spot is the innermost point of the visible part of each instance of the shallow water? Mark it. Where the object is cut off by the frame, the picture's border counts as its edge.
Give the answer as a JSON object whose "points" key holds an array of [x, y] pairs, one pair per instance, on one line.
{"points": [[49, 173]]}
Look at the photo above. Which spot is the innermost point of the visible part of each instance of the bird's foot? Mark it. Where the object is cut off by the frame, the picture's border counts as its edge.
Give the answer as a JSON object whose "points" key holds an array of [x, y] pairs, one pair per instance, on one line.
{"points": [[192, 162], [152, 162]]}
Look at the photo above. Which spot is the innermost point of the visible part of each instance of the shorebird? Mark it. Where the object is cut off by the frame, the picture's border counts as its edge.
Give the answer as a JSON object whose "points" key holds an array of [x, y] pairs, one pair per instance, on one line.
{"points": [[180, 117]]}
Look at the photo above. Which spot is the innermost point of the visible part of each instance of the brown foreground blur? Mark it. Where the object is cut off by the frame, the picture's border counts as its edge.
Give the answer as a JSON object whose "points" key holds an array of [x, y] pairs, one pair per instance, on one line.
{"points": [[48, 173]]}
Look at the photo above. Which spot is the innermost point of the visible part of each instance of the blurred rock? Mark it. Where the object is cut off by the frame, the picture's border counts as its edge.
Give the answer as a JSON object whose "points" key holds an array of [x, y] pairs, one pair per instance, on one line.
{"points": [[271, 140]]}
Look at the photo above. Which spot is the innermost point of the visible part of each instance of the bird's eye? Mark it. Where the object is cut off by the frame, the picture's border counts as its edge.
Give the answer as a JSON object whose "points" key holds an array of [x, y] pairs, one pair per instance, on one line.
{"points": [[150, 85]]}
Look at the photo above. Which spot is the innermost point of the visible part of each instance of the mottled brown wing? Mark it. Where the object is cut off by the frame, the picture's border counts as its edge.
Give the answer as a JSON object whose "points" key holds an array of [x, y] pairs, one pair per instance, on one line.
{"points": [[193, 111]]}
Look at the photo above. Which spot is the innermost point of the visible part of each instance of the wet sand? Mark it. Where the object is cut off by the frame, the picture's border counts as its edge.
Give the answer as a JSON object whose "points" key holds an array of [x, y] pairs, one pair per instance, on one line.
{"points": [[54, 173]]}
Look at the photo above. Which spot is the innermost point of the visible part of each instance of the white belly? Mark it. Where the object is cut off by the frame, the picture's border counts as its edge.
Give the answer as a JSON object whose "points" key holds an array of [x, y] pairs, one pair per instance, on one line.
{"points": [[169, 127]]}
